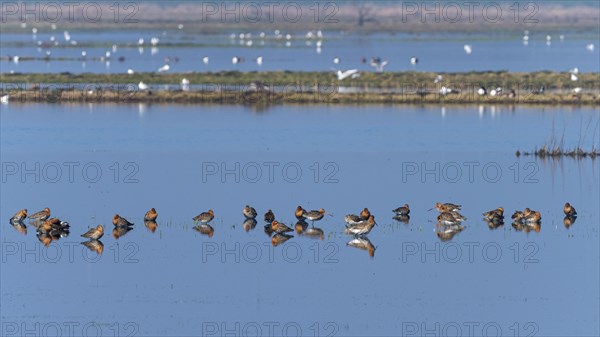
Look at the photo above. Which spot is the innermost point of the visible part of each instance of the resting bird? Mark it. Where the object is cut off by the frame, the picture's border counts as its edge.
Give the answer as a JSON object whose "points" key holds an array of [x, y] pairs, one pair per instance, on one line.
{"points": [[151, 215], [41, 215], [121, 222], [94, 233], [249, 212], [402, 210], [569, 210]]}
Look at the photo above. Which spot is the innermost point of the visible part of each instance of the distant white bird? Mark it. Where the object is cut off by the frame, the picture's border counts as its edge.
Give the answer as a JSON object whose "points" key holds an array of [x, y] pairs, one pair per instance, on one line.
{"points": [[496, 92], [141, 41], [561, 37], [574, 78], [34, 30], [107, 54], [341, 75], [445, 91], [249, 43], [574, 71], [67, 36], [205, 60], [143, 86], [548, 38], [590, 47], [83, 53], [258, 86], [4, 99], [154, 41], [130, 71], [468, 49], [259, 60], [577, 90], [288, 36], [414, 61], [481, 91], [16, 59], [114, 48], [180, 26], [378, 64], [526, 38], [336, 60], [236, 60], [438, 79], [164, 68], [262, 35], [185, 84]]}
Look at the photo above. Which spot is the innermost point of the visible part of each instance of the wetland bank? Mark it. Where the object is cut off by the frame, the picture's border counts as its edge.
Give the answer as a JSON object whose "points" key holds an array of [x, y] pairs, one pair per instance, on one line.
{"points": [[286, 87]]}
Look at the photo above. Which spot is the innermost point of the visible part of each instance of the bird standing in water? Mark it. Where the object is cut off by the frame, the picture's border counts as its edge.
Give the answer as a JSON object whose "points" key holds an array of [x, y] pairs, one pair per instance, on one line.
{"points": [[299, 213], [118, 221], [569, 210], [205, 217], [362, 228], [151, 215], [269, 216], [315, 215], [402, 210], [279, 227], [94, 233], [19, 216], [41, 215], [249, 212], [494, 215]]}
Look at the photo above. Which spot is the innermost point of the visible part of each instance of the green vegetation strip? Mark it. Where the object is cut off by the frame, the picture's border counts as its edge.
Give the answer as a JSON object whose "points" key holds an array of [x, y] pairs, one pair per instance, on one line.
{"points": [[301, 88], [507, 80]]}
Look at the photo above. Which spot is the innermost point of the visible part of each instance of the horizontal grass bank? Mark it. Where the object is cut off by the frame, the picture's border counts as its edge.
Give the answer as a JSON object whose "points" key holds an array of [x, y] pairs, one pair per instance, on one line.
{"points": [[287, 87], [269, 98], [505, 79]]}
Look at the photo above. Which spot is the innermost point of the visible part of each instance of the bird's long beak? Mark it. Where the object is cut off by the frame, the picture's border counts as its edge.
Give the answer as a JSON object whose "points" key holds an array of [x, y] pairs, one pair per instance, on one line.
{"points": [[430, 209]]}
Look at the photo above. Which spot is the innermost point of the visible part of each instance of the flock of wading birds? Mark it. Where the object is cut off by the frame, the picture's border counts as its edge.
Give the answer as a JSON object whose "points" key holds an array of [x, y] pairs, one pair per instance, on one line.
{"points": [[448, 221]]}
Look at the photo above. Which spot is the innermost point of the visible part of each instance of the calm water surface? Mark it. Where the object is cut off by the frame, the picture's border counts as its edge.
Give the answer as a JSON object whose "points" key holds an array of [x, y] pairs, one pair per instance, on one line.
{"points": [[186, 159], [502, 52]]}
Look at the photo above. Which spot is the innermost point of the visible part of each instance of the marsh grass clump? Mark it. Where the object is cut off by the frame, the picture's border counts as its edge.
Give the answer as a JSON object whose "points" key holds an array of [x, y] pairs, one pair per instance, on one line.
{"points": [[555, 148]]}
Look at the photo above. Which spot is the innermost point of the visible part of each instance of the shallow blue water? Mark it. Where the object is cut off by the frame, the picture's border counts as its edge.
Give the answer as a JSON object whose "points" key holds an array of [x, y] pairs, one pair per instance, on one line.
{"points": [[436, 52], [184, 159]]}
